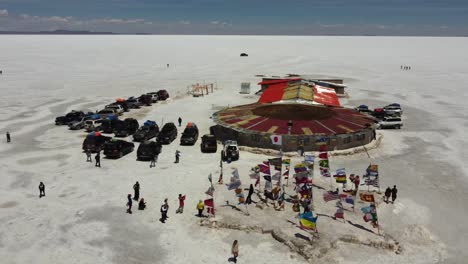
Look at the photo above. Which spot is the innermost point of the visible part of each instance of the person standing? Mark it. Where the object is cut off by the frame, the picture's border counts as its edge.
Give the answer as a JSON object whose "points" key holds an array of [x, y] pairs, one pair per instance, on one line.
{"points": [[88, 156], [394, 193], [180, 121], [41, 189], [129, 204], [164, 209], [98, 159], [388, 192], [180, 210], [177, 156], [356, 182], [235, 251], [8, 137], [153, 161], [248, 200], [136, 189], [142, 204], [200, 208]]}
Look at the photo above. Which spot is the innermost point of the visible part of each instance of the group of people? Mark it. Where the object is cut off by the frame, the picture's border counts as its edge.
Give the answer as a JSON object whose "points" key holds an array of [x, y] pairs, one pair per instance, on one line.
{"points": [[97, 158], [405, 67], [390, 192], [136, 197]]}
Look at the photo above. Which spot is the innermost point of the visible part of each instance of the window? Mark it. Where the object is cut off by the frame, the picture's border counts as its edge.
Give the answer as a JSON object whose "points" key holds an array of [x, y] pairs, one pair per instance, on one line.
{"points": [[360, 137], [347, 140]]}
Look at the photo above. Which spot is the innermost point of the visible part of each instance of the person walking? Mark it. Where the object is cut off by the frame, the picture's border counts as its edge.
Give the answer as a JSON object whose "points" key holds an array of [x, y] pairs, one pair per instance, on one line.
{"points": [[248, 200], [394, 193], [129, 204], [235, 251], [142, 204], [41, 189], [8, 137], [200, 208], [164, 209], [180, 210], [177, 156], [88, 156], [388, 192], [136, 189], [97, 158], [180, 121]]}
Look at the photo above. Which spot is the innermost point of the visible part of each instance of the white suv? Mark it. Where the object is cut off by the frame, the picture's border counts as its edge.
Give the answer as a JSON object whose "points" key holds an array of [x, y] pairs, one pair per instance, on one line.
{"points": [[393, 109], [118, 108], [391, 122]]}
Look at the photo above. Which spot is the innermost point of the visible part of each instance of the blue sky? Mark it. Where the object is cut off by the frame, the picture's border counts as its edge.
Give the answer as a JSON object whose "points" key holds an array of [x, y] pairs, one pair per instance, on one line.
{"points": [[391, 17]]}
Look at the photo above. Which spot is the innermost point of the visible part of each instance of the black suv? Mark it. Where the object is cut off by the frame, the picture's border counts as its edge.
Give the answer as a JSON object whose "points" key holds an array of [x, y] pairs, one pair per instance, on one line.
{"points": [[108, 125], [126, 128], [134, 103], [146, 99], [70, 117], [148, 150], [148, 131], [154, 96], [117, 148], [94, 142], [208, 144], [163, 95], [190, 135], [167, 134]]}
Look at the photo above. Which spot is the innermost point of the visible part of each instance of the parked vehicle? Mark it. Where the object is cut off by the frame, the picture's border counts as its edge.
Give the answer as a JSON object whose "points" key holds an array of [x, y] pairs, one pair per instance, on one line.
{"points": [[230, 151], [363, 109], [122, 103], [94, 142], [390, 122], [126, 127], [146, 99], [134, 103], [154, 96], [378, 113], [190, 134], [149, 130], [92, 125], [117, 148], [107, 112], [393, 109], [108, 124], [119, 110], [163, 95], [168, 133], [148, 149], [76, 125], [69, 117], [208, 144]]}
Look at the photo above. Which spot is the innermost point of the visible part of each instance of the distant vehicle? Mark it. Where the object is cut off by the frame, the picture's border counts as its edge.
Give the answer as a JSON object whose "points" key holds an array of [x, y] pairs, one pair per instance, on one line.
{"points": [[94, 142], [133, 103], [149, 130], [154, 96], [146, 99], [244, 55], [378, 113], [117, 148], [123, 104], [190, 134], [208, 144], [118, 108], [148, 150], [76, 125], [126, 127], [163, 95], [363, 109], [107, 112], [92, 125], [390, 122], [230, 151], [108, 124], [393, 109], [69, 117], [167, 134]]}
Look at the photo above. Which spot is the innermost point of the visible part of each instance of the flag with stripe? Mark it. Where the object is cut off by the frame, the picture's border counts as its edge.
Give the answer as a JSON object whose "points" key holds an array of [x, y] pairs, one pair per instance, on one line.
{"points": [[276, 162], [307, 221], [300, 168], [325, 172], [329, 196], [233, 185], [210, 191], [339, 213], [323, 155], [287, 162], [324, 164], [264, 168]]}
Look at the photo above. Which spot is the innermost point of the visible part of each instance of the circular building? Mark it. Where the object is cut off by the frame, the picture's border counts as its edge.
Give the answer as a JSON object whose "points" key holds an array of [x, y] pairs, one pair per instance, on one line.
{"points": [[301, 121]]}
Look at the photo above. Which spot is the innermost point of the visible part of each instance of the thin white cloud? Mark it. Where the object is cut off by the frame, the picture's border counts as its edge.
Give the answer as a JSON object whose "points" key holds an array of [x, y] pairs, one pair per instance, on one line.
{"points": [[3, 12], [214, 22], [185, 22]]}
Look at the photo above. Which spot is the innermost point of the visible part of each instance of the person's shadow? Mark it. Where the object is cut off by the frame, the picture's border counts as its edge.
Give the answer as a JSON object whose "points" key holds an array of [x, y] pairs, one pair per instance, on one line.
{"points": [[232, 259]]}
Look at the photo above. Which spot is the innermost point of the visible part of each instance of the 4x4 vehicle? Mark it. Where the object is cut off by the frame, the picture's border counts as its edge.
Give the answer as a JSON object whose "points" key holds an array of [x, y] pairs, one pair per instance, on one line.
{"points": [[69, 117], [94, 142], [146, 99], [154, 96], [126, 128], [118, 108], [133, 103], [149, 130], [122, 103], [393, 109], [190, 134], [107, 112], [76, 125], [208, 144], [363, 109], [117, 148], [163, 95], [168, 133], [230, 151], [108, 124], [148, 150], [378, 113], [92, 125], [390, 122]]}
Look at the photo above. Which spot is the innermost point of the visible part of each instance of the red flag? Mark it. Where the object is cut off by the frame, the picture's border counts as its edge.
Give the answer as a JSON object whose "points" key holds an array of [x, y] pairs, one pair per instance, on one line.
{"points": [[323, 155], [209, 202]]}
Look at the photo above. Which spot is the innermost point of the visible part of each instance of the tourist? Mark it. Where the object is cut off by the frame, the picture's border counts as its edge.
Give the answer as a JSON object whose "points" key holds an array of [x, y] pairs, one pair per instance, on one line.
{"points": [[180, 121], [249, 196], [388, 192], [153, 161], [41, 189], [394, 193], [177, 156], [97, 158], [88, 156], [129, 204], [142, 204], [356, 182], [136, 188], [164, 209], [200, 208], [235, 251], [180, 210], [8, 137]]}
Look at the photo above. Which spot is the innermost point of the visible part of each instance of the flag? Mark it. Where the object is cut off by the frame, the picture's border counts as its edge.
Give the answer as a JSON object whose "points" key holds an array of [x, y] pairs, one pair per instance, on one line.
{"points": [[367, 197], [287, 162], [235, 174], [321, 141], [264, 168], [276, 162], [233, 185], [325, 172], [286, 174], [349, 199], [267, 178], [368, 217], [339, 213], [374, 182], [276, 176], [372, 170], [257, 182], [307, 221], [328, 196], [323, 155], [341, 171], [209, 202], [309, 158], [300, 168], [276, 139], [254, 176], [324, 164], [340, 178], [210, 191]]}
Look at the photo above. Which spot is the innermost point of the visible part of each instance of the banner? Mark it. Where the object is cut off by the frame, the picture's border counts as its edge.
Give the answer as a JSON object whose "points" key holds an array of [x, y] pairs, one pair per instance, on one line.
{"points": [[367, 197]]}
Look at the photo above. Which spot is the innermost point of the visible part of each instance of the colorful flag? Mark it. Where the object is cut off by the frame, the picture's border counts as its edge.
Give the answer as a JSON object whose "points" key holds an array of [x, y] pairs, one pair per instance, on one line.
{"points": [[264, 168], [339, 213], [276, 162], [321, 141], [307, 221], [328, 196], [341, 171], [324, 164], [340, 178], [367, 197], [325, 172], [235, 174], [349, 199], [276, 176], [254, 175], [287, 162], [323, 155], [373, 182], [300, 168], [276, 139], [368, 217], [210, 191], [286, 174], [233, 185], [372, 170], [209, 202]]}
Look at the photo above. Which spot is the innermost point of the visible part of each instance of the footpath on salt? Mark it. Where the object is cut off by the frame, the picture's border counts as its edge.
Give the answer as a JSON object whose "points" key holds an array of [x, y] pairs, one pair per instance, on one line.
{"points": [[82, 219]]}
